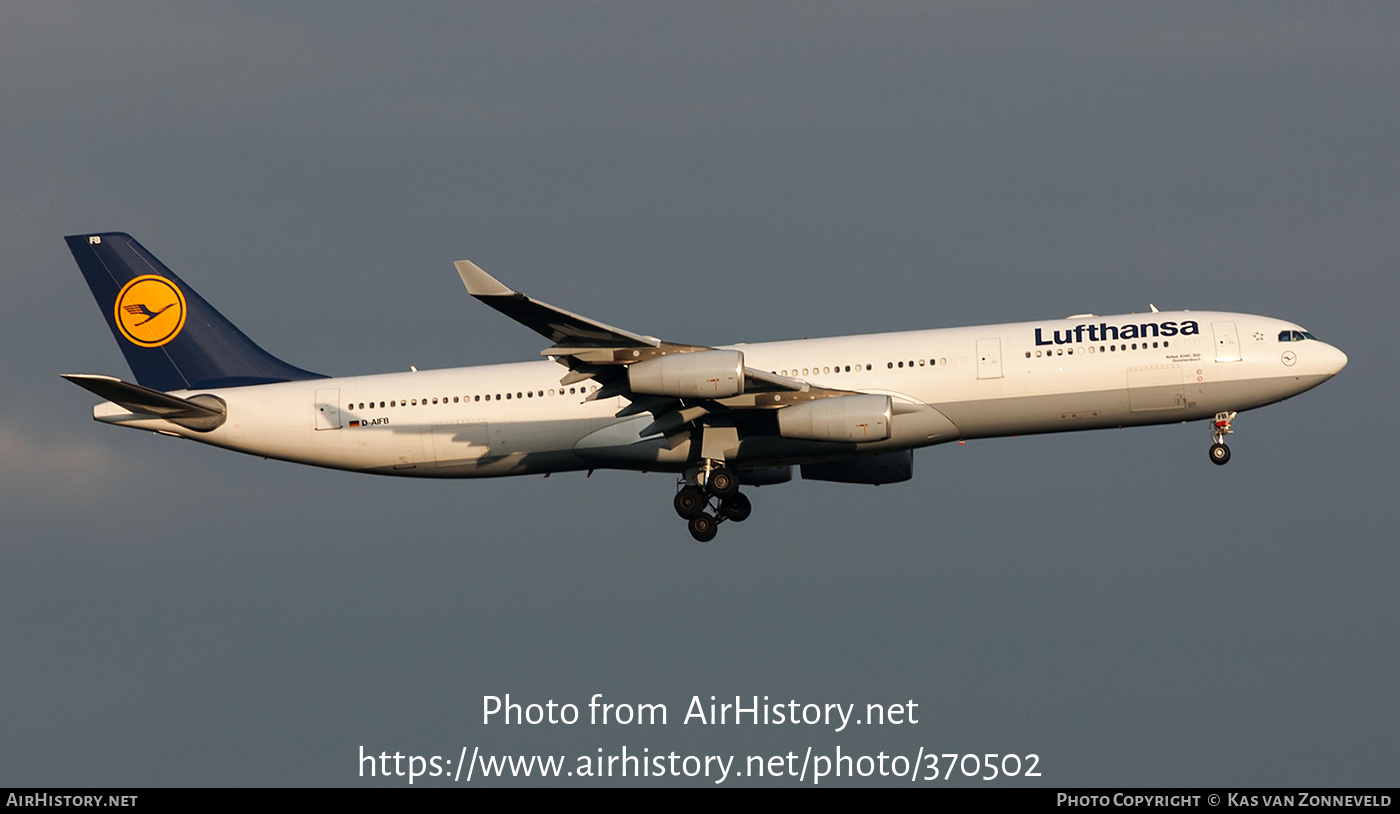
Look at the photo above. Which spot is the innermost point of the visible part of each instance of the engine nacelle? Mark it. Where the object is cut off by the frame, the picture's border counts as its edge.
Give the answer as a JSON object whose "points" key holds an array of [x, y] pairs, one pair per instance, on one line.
{"points": [[858, 419], [891, 467], [706, 374]]}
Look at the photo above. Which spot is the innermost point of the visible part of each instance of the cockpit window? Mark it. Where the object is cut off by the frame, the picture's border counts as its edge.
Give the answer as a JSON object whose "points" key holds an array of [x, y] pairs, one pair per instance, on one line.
{"points": [[1294, 336]]}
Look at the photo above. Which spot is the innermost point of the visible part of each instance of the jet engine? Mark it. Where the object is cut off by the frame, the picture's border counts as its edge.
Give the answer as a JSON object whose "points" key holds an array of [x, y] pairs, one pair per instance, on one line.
{"points": [[706, 374], [857, 418]]}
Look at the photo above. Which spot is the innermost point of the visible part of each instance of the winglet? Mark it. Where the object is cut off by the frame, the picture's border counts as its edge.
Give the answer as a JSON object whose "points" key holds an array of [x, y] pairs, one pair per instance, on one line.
{"points": [[560, 326], [478, 282]]}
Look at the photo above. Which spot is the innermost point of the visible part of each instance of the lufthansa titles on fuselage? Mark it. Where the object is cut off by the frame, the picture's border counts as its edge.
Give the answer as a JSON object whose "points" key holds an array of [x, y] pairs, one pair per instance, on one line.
{"points": [[1104, 332]]}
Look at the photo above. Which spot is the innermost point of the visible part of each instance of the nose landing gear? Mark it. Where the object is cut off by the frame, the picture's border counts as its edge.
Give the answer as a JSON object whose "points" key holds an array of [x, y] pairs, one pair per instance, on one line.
{"points": [[1219, 453], [713, 487]]}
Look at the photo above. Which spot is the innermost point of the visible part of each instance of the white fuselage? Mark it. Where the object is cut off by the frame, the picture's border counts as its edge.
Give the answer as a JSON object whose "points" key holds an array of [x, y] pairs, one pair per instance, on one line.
{"points": [[947, 384]]}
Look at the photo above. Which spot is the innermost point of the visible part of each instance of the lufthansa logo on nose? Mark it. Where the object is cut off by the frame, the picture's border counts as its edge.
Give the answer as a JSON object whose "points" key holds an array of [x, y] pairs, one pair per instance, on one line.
{"points": [[1289, 357], [150, 311]]}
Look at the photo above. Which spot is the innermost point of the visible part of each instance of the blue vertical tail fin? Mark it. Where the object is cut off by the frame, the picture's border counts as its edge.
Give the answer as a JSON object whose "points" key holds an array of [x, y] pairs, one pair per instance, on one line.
{"points": [[171, 337]]}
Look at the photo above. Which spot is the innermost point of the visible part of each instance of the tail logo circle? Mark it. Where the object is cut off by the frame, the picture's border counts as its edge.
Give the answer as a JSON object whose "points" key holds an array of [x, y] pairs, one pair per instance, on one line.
{"points": [[150, 311]]}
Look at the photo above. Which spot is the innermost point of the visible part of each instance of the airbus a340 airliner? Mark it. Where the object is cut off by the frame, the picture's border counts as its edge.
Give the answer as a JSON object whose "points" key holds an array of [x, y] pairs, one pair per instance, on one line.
{"points": [[849, 409]]}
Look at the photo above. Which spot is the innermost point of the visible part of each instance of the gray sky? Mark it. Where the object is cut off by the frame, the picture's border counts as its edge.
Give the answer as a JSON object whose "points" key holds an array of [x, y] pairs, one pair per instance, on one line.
{"points": [[172, 614]]}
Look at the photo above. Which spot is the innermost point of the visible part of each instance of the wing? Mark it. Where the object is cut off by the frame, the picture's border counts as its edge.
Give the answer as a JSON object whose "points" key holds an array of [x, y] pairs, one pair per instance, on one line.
{"points": [[679, 384], [557, 325]]}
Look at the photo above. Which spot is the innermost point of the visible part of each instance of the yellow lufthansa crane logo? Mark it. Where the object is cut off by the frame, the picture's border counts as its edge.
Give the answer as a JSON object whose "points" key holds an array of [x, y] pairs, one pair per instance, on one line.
{"points": [[150, 311]]}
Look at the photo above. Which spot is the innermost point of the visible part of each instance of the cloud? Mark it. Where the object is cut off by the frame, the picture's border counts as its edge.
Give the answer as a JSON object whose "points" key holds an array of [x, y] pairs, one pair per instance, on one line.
{"points": [[43, 472]]}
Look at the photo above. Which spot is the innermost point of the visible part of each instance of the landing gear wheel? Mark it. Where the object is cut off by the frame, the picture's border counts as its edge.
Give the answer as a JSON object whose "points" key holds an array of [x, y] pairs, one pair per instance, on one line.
{"points": [[722, 483], [690, 501], [736, 507], [1219, 454], [704, 527]]}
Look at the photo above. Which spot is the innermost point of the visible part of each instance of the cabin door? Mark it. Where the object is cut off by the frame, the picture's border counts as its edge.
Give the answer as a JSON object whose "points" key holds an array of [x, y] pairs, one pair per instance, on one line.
{"points": [[1227, 342], [989, 358], [328, 409]]}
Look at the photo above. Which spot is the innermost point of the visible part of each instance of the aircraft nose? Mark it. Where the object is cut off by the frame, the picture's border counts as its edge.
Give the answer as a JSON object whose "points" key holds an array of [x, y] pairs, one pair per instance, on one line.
{"points": [[1334, 361]]}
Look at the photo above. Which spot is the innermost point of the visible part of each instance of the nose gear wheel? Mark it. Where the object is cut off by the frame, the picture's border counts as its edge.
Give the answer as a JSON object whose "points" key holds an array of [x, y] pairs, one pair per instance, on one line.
{"points": [[1219, 428]]}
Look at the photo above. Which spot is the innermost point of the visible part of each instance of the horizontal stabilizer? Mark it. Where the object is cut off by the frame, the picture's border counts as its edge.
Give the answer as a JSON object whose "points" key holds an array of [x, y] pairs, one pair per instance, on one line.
{"points": [[200, 413]]}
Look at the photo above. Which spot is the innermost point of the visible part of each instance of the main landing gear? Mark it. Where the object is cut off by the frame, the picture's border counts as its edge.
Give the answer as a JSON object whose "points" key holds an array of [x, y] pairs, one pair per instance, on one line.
{"points": [[1219, 453], [715, 487]]}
